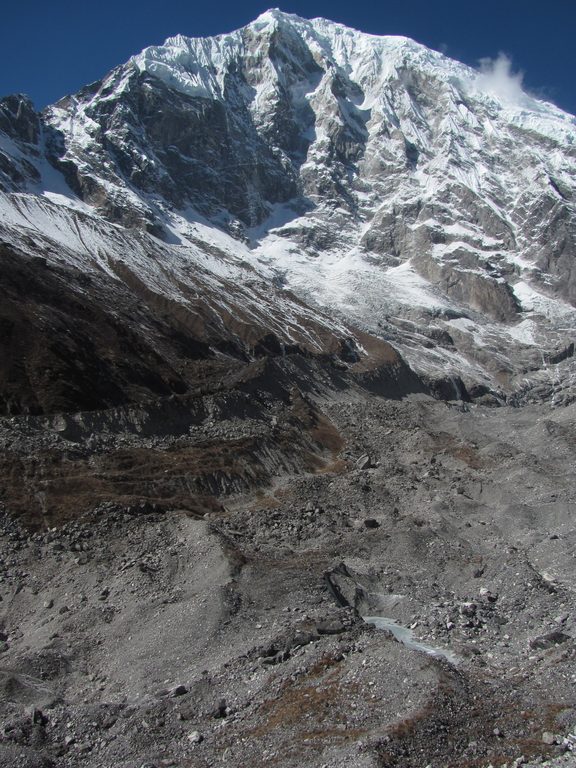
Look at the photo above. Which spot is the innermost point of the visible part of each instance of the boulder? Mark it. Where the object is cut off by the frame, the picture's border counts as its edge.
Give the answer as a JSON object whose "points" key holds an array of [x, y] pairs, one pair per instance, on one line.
{"points": [[549, 640]]}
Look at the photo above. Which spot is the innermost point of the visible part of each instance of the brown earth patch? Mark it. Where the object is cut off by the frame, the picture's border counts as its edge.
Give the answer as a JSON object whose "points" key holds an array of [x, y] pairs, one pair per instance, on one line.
{"points": [[54, 486], [314, 707], [464, 452], [440, 733]]}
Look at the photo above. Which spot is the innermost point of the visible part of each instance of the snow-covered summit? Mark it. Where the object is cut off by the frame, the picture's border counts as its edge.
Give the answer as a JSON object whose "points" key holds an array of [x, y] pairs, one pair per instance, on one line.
{"points": [[369, 60], [363, 56]]}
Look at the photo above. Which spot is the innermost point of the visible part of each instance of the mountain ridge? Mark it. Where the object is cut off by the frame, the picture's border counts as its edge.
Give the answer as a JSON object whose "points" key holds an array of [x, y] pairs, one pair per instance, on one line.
{"points": [[367, 175]]}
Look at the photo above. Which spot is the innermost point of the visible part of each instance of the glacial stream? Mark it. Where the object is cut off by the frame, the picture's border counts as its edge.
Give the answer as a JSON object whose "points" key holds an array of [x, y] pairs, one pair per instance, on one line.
{"points": [[406, 637]]}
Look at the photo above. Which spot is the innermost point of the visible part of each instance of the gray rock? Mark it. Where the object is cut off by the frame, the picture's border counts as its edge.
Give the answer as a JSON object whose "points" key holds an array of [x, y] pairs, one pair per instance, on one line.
{"points": [[468, 609], [178, 690], [364, 462], [37, 716], [549, 640], [485, 593], [330, 628]]}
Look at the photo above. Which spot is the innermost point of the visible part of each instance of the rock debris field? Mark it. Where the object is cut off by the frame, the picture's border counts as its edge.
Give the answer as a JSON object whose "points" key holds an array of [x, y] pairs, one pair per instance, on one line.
{"points": [[136, 633]]}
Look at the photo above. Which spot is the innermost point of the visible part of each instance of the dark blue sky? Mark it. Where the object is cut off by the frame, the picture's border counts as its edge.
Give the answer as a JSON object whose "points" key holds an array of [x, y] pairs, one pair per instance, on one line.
{"points": [[49, 49]]}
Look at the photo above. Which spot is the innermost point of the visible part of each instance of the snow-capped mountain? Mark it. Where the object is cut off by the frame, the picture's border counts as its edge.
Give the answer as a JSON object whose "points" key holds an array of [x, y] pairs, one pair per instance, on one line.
{"points": [[300, 178]]}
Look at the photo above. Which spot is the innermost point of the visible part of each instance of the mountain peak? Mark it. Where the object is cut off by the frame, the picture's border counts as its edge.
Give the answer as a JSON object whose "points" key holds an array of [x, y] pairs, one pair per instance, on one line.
{"points": [[275, 14], [341, 165]]}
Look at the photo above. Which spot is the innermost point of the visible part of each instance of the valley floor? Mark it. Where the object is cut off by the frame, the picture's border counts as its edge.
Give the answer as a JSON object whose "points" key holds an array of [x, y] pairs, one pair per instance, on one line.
{"points": [[230, 632]]}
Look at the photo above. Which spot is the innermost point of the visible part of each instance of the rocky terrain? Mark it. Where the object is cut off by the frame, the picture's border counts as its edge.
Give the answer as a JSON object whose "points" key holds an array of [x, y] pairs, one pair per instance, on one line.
{"points": [[229, 629], [288, 412]]}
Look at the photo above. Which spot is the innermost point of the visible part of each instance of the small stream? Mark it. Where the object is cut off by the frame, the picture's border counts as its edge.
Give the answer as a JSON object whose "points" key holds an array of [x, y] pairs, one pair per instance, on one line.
{"points": [[406, 637]]}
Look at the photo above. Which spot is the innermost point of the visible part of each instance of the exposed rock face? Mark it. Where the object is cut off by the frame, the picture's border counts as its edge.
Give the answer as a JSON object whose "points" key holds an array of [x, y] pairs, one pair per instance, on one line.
{"points": [[18, 119], [20, 131], [185, 150], [370, 176]]}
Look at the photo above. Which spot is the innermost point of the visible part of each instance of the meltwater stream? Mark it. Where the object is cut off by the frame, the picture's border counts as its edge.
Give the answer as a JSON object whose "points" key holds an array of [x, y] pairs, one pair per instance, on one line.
{"points": [[406, 637]]}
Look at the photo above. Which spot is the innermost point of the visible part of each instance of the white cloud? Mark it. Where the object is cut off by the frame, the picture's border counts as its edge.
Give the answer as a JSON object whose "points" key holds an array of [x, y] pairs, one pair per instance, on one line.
{"points": [[497, 78]]}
